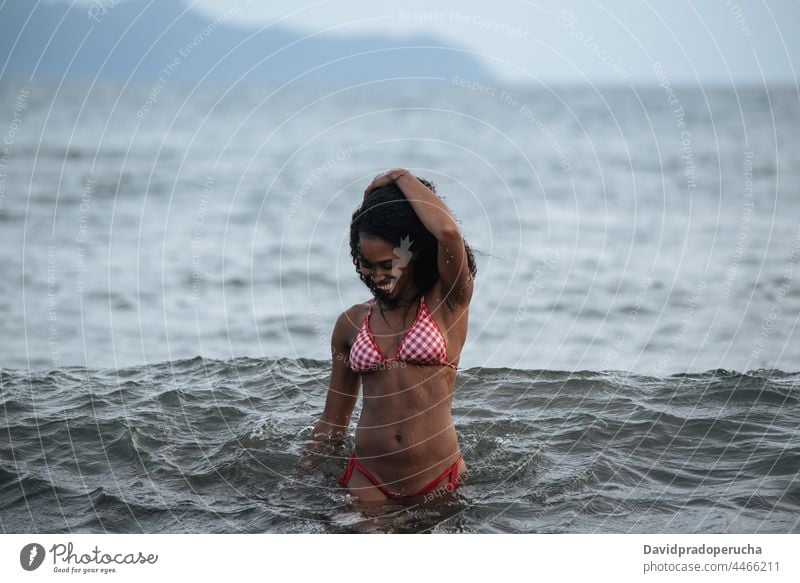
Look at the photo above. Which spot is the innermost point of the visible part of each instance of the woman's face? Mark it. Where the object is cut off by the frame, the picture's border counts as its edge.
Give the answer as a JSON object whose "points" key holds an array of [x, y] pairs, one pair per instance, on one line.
{"points": [[387, 268]]}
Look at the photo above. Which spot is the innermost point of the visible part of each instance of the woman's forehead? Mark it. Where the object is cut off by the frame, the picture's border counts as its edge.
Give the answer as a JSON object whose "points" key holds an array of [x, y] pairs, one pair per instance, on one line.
{"points": [[375, 247]]}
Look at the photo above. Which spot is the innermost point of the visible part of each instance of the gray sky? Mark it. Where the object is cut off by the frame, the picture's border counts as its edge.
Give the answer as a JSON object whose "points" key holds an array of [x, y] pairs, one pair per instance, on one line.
{"points": [[713, 41]]}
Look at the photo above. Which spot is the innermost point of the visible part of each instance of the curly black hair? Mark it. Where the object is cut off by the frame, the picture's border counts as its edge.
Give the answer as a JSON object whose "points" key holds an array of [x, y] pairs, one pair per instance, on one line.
{"points": [[387, 214]]}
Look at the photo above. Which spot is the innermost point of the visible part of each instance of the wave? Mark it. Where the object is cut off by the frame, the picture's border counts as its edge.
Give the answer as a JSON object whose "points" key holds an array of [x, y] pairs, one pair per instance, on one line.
{"points": [[201, 445]]}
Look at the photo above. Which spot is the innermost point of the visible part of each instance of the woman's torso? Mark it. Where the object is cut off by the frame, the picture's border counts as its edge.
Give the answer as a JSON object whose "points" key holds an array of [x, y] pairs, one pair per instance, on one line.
{"points": [[405, 433]]}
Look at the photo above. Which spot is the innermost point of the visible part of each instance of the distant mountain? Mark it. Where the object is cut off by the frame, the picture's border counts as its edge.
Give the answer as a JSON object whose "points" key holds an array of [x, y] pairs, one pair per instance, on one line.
{"points": [[148, 40]]}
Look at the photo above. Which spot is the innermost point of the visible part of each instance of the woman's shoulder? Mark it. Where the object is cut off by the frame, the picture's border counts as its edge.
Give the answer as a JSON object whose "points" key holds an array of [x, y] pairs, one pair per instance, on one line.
{"points": [[351, 319]]}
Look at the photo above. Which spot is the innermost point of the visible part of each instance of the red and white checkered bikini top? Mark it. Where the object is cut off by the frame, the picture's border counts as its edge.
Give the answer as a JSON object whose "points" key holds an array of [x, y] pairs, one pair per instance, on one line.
{"points": [[424, 343]]}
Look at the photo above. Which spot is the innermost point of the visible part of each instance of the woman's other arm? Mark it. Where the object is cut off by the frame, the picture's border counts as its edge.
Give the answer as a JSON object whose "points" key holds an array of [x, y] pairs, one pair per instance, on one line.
{"points": [[331, 429]]}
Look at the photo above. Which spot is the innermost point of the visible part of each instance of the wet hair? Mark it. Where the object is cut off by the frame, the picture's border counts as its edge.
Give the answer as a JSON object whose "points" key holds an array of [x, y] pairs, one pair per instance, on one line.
{"points": [[387, 214]]}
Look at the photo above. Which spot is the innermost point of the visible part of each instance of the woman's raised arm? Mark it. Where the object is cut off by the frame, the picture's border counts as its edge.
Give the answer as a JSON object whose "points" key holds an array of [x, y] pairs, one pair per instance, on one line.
{"points": [[456, 279]]}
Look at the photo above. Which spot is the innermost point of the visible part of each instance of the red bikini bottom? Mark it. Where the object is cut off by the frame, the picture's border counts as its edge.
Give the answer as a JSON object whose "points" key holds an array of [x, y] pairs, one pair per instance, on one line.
{"points": [[353, 463]]}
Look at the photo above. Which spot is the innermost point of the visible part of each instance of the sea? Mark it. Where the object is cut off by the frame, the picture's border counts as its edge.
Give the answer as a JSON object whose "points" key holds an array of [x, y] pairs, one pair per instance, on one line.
{"points": [[173, 256]]}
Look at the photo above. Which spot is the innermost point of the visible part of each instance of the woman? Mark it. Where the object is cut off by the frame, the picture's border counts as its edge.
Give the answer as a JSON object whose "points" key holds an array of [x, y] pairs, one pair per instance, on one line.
{"points": [[409, 252]]}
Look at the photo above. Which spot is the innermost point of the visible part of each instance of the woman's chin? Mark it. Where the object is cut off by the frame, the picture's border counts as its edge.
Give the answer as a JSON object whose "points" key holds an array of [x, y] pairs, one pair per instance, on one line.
{"points": [[382, 294]]}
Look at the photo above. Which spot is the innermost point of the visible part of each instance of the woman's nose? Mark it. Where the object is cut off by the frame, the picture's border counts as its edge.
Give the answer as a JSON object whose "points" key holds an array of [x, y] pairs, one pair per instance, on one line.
{"points": [[378, 273]]}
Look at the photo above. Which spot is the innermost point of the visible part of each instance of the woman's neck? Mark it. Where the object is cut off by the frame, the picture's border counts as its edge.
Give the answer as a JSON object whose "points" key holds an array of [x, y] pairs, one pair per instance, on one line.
{"points": [[404, 300]]}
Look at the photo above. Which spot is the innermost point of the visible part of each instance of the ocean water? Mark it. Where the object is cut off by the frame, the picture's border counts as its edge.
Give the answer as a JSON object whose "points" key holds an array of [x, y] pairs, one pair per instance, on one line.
{"points": [[213, 446], [170, 271]]}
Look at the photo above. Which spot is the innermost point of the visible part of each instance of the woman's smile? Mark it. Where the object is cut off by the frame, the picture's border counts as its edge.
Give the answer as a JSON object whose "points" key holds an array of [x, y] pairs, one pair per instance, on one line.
{"points": [[386, 286]]}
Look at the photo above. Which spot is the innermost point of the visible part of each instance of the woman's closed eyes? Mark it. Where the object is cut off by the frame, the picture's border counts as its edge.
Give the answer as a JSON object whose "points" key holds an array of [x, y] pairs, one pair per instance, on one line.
{"points": [[364, 264]]}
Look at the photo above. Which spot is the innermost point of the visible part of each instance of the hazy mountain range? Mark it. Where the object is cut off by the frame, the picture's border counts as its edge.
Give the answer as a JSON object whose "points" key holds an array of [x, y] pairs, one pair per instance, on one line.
{"points": [[148, 40]]}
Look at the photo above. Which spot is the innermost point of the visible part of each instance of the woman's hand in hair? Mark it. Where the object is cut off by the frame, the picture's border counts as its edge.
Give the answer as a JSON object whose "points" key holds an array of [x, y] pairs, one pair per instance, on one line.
{"points": [[384, 179]]}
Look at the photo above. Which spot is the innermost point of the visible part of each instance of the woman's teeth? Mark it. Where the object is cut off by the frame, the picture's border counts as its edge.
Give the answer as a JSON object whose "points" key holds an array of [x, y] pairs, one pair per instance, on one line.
{"points": [[386, 286]]}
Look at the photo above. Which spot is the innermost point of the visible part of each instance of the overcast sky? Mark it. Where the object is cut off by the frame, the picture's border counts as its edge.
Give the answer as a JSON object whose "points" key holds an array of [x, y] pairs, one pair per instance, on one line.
{"points": [[713, 41]]}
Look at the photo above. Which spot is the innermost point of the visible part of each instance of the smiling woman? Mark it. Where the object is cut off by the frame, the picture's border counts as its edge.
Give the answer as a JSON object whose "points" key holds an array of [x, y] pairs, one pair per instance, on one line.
{"points": [[408, 250]]}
